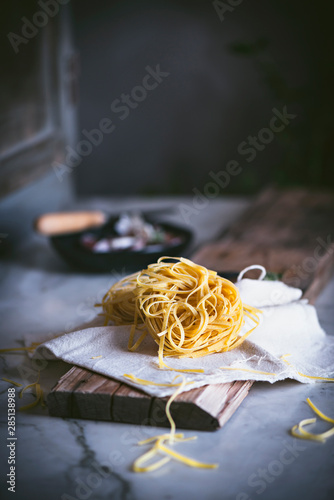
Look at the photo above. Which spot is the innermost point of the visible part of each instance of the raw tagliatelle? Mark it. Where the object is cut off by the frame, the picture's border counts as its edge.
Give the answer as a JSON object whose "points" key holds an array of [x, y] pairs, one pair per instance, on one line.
{"points": [[171, 438], [189, 310], [299, 431]]}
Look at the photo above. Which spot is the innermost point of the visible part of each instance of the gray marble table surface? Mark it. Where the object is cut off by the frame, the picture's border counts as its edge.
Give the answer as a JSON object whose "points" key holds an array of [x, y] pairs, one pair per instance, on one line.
{"points": [[77, 459]]}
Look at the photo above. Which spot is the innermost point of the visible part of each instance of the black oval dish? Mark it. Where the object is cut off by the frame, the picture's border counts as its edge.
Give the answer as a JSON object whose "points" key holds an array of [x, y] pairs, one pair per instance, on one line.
{"points": [[70, 248]]}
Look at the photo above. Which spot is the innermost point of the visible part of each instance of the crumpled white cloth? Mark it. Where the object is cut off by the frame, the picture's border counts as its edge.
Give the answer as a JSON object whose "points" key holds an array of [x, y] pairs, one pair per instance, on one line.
{"points": [[288, 326]]}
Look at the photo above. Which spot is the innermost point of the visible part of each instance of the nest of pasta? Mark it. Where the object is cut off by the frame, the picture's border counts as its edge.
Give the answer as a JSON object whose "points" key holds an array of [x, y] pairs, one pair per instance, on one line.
{"points": [[189, 310]]}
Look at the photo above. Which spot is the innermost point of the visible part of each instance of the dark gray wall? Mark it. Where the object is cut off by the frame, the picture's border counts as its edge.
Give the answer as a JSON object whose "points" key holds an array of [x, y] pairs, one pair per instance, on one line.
{"points": [[212, 100]]}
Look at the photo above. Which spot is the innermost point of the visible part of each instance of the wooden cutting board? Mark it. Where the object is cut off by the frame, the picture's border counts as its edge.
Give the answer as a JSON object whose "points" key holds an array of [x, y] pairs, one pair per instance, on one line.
{"points": [[290, 233]]}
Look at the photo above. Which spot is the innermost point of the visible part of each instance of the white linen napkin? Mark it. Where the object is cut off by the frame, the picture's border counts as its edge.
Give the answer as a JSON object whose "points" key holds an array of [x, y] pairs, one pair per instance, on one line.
{"points": [[289, 326]]}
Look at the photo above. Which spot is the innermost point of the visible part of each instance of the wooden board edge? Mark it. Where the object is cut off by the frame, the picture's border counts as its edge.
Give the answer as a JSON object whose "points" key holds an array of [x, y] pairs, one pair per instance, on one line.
{"points": [[233, 404]]}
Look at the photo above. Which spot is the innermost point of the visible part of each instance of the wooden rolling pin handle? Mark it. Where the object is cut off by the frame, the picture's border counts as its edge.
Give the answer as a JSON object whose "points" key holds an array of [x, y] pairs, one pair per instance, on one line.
{"points": [[53, 224]]}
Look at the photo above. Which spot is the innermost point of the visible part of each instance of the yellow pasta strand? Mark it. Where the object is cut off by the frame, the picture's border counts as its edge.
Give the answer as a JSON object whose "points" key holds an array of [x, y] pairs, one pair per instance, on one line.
{"points": [[168, 413], [325, 379], [177, 437], [319, 413], [163, 365], [11, 382], [137, 466], [39, 395], [30, 385], [189, 310], [299, 431], [247, 370], [19, 350], [171, 437], [142, 381], [186, 460], [119, 303]]}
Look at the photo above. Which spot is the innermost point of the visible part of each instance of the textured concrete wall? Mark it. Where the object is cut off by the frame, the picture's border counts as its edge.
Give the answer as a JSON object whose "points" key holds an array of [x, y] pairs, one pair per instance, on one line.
{"points": [[212, 100]]}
